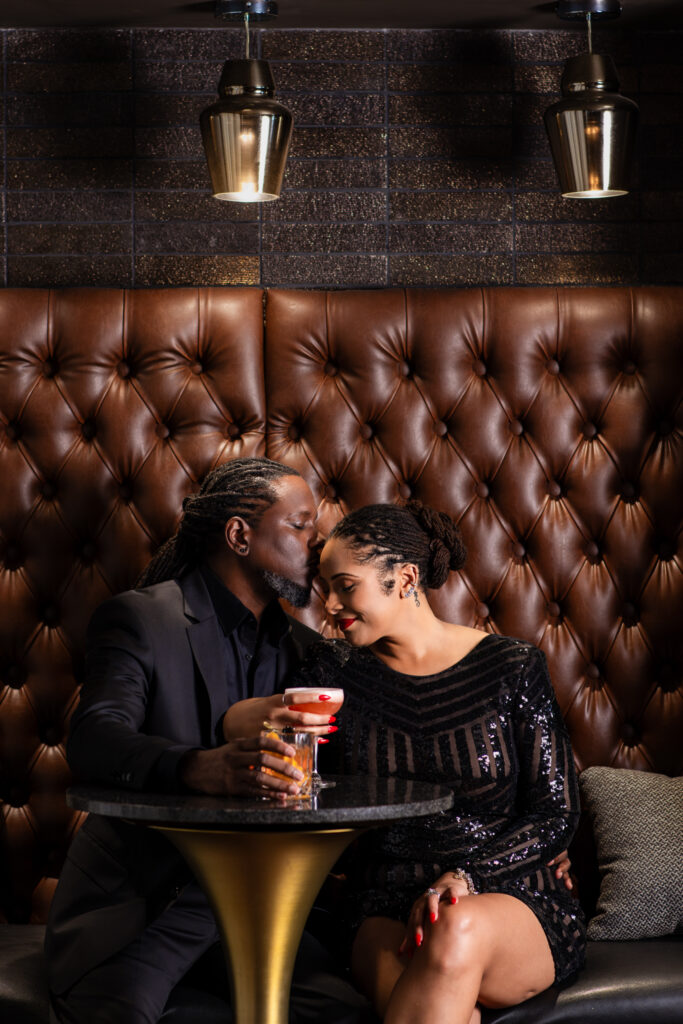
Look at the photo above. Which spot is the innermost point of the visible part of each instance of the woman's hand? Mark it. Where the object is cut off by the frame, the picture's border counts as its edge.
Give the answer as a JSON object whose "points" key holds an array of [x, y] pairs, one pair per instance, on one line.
{"points": [[563, 866], [236, 769], [447, 890], [247, 717]]}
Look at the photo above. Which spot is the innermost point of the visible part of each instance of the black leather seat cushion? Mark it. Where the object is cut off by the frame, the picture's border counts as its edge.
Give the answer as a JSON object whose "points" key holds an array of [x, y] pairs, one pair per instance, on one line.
{"points": [[23, 983], [622, 983]]}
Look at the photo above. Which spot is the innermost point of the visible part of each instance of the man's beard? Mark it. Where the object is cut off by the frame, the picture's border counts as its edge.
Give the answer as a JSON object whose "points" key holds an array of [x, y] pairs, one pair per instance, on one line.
{"points": [[295, 593]]}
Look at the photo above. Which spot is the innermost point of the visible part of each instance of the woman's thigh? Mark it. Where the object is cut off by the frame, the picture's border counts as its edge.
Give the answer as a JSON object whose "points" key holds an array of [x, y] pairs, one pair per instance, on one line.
{"points": [[518, 962], [499, 932]]}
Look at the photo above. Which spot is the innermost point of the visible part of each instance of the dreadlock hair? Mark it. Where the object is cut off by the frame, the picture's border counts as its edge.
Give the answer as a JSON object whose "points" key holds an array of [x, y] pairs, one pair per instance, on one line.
{"points": [[242, 487], [396, 534]]}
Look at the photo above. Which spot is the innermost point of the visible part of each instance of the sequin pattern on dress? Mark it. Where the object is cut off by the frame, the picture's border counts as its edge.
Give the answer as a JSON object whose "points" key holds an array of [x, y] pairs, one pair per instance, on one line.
{"points": [[491, 729]]}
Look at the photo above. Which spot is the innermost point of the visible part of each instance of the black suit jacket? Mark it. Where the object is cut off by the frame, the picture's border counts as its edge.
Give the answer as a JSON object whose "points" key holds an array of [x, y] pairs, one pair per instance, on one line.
{"points": [[154, 688]]}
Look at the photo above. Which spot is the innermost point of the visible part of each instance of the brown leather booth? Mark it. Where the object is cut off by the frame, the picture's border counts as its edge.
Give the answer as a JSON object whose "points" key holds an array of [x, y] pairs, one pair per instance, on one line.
{"points": [[548, 421]]}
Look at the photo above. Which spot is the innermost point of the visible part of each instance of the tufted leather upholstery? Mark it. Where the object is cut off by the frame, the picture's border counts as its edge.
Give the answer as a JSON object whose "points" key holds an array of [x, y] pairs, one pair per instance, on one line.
{"points": [[547, 420]]}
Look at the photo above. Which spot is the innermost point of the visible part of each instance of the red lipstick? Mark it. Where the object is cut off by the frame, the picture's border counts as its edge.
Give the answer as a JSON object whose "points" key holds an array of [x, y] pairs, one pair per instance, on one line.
{"points": [[345, 623]]}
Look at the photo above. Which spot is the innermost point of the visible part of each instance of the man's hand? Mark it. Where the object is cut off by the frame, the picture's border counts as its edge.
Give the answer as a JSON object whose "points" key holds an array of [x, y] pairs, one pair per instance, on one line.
{"points": [[247, 717], [563, 866], [235, 769]]}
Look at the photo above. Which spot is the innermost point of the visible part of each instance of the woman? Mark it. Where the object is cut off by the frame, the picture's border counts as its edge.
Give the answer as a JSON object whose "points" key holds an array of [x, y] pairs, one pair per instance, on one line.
{"points": [[460, 909]]}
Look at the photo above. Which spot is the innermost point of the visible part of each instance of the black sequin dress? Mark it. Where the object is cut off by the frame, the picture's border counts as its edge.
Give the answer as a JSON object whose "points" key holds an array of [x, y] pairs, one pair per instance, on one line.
{"points": [[490, 728]]}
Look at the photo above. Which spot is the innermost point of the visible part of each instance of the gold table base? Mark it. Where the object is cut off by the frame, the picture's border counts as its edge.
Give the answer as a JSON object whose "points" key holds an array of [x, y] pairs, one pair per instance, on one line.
{"points": [[261, 886]]}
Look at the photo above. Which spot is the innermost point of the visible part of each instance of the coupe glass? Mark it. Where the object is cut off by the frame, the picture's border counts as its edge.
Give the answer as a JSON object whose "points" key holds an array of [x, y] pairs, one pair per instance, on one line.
{"points": [[322, 700]]}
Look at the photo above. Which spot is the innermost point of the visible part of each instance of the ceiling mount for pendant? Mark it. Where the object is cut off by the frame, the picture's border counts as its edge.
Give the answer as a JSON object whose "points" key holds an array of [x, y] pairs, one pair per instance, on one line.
{"points": [[235, 10], [579, 9], [246, 134], [592, 128]]}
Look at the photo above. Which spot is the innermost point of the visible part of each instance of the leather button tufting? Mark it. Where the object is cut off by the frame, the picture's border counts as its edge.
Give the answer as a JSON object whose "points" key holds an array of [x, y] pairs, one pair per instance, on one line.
{"points": [[518, 551], [13, 431], [630, 614], [668, 679], [366, 431], [405, 369], [592, 671], [628, 492], [293, 432], [233, 431], [123, 369], [48, 490], [590, 431], [552, 366], [482, 489], [50, 615], [87, 551], [13, 557], [592, 552], [88, 430], [554, 489], [629, 734], [162, 431], [125, 491], [405, 491], [483, 611], [440, 428], [629, 368], [14, 677], [330, 369], [49, 368], [666, 551], [516, 427], [331, 492], [479, 367], [51, 736], [554, 610], [197, 368]]}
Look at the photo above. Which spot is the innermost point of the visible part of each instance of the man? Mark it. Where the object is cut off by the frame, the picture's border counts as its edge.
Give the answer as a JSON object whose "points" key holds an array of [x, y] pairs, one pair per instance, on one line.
{"points": [[202, 643]]}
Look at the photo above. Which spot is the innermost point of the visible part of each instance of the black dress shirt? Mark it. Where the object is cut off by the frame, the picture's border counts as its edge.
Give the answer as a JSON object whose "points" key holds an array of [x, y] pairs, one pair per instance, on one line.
{"points": [[258, 658]]}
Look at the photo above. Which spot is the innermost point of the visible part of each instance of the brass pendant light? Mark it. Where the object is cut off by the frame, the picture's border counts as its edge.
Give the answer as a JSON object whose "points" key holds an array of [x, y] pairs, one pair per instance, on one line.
{"points": [[246, 134], [592, 129]]}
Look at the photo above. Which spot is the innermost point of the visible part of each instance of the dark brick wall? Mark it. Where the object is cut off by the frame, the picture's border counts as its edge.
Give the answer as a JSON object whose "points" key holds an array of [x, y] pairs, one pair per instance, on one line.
{"points": [[418, 158]]}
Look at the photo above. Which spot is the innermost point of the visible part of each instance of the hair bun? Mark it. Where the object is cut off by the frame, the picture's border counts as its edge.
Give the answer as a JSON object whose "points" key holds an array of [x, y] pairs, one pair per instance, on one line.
{"points": [[446, 548]]}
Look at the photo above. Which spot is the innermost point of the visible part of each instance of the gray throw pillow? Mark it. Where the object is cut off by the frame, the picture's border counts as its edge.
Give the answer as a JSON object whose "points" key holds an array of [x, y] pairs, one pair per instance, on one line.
{"points": [[637, 820]]}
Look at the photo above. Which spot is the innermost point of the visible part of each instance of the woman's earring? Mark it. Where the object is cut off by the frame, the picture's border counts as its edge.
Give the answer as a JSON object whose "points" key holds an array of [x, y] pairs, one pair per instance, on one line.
{"points": [[242, 550]]}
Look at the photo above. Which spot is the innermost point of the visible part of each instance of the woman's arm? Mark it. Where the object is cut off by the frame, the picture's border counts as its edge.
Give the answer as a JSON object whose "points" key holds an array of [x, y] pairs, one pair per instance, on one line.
{"points": [[547, 796]]}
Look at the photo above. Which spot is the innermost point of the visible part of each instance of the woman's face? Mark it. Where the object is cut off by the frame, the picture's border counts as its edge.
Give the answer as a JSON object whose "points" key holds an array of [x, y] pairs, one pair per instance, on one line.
{"points": [[363, 604]]}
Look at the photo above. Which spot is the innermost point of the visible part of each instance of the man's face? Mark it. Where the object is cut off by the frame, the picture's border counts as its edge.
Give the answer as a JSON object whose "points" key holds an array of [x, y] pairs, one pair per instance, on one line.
{"points": [[284, 546]]}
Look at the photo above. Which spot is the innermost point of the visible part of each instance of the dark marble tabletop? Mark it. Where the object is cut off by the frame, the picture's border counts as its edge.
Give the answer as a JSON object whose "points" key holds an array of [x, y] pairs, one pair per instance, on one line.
{"points": [[354, 801]]}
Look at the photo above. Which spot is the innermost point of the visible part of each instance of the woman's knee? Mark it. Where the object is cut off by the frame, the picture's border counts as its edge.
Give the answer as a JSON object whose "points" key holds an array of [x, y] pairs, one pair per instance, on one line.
{"points": [[455, 941]]}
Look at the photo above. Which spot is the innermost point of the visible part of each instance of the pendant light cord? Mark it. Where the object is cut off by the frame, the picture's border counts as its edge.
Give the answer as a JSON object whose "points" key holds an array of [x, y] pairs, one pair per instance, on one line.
{"points": [[590, 30], [246, 29]]}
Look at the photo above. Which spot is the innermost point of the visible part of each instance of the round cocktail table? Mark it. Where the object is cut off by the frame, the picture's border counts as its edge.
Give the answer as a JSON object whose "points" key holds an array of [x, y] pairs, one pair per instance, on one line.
{"points": [[262, 863]]}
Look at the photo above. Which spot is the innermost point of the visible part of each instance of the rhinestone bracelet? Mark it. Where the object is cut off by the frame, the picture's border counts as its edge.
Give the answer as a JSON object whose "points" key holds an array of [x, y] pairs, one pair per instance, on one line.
{"points": [[463, 876]]}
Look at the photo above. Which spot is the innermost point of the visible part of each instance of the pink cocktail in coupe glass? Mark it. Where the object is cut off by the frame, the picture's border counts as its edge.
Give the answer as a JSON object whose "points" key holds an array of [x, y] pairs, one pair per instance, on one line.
{"points": [[321, 701]]}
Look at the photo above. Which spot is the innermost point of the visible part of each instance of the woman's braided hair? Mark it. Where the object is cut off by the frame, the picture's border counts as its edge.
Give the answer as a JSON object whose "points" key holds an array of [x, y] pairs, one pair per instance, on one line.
{"points": [[242, 487], [397, 534]]}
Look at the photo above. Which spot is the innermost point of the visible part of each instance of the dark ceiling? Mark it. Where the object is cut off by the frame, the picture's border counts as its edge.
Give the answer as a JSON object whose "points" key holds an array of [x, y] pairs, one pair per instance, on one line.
{"points": [[469, 14]]}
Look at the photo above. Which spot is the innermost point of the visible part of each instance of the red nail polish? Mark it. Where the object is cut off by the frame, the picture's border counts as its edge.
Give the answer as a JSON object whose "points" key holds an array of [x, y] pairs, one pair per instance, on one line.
{"points": [[321, 740], [432, 917], [324, 696], [332, 718], [454, 899], [418, 939], [333, 728]]}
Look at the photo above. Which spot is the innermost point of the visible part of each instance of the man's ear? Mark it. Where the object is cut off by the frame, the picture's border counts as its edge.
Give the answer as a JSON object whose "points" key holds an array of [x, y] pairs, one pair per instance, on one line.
{"points": [[237, 535]]}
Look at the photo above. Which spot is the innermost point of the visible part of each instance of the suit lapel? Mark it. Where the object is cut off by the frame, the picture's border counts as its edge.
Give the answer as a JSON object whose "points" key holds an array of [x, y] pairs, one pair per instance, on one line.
{"points": [[207, 643]]}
